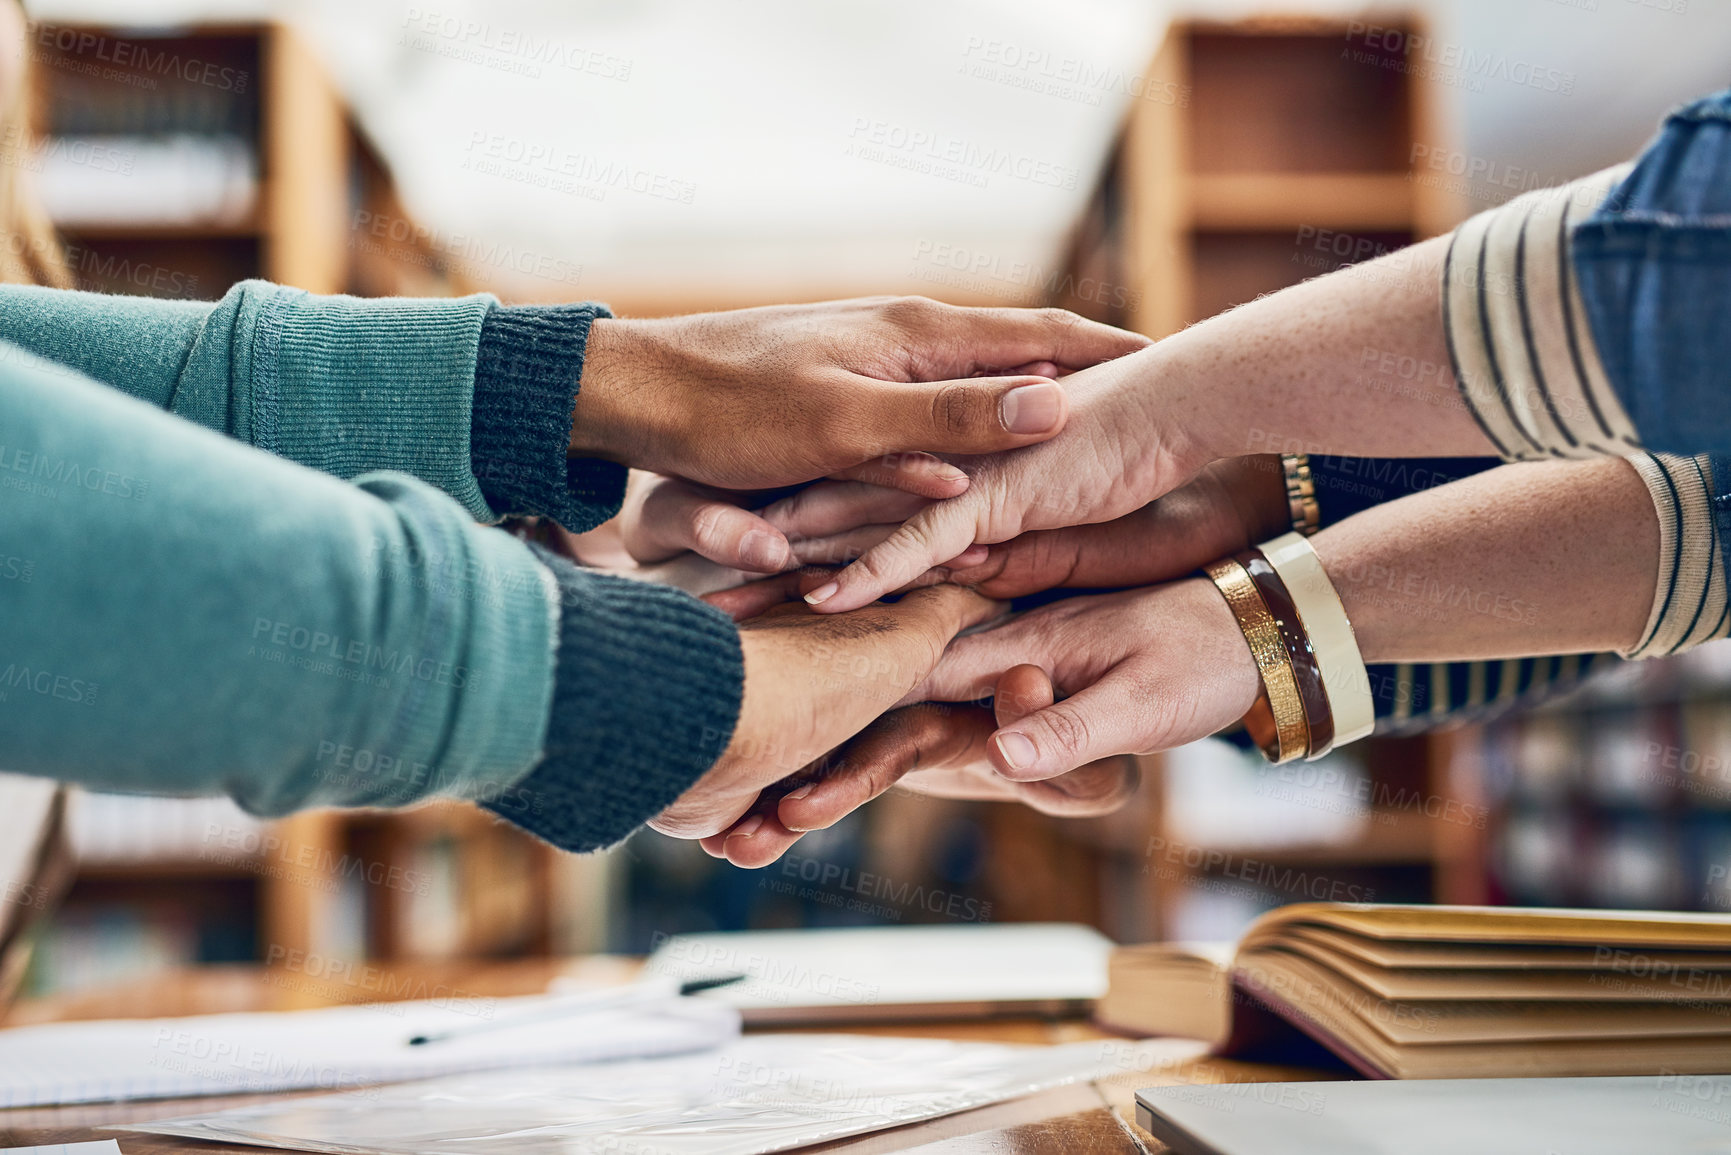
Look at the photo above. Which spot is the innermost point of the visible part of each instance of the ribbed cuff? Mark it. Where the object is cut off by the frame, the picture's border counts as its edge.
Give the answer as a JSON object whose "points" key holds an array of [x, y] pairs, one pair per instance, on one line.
{"points": [[1519, 340], [646, 690], [526, 374], [1689, 601]]}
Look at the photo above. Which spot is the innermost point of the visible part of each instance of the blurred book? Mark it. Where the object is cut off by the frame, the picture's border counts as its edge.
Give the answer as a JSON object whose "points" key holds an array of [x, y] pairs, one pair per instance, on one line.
{"points": [[36, 867], [1433, 992], [154, 181], [1169, 988], [121, 829]]}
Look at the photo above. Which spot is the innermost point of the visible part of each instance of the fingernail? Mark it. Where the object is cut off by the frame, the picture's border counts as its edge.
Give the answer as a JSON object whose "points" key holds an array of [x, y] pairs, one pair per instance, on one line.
{"points": [[973, 555], [1031, 408], [822, 594], [951, 473], [761, 550], [1017, 751], [747, 828], [800, 793]]}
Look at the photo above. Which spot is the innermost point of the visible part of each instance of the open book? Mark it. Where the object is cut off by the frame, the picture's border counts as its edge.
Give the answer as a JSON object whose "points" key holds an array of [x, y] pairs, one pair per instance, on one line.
{"points": [[1431, 992], [36, 867]]}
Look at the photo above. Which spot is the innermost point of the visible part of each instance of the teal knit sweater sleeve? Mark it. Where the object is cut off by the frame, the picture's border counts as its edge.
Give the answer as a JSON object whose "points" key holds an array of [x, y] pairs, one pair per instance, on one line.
{"points": [[188, 615], [445, 390], [181, 613]]}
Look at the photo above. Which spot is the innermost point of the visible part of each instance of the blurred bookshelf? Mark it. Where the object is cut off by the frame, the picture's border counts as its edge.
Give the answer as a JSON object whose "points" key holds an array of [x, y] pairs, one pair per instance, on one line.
{"points": [[1619, 794], [174, 163]]}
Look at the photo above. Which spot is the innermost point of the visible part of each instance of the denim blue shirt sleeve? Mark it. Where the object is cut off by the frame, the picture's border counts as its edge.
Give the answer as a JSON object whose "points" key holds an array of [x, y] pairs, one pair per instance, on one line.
{"points": [[1654, 267], [1587, 320]]}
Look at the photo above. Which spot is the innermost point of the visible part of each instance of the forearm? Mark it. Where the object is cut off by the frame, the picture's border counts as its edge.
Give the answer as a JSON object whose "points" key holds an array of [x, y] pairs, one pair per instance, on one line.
{"points": [[200, 617], [469, 396], [186, 615], [1546, 558], [1353, 363]]}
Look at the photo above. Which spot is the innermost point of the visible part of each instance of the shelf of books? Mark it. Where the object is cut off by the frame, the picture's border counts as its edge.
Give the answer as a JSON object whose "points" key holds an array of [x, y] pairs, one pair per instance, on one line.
{"points": [[1618, 795], [175, 162]]}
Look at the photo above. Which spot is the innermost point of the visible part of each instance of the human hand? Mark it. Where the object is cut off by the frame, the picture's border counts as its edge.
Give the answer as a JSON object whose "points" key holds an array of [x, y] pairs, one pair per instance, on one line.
{"points": [[931, 748], [1228, 507], [811, 683], [1118, 452], [756, 398], [827, 523], [1145, 670]]}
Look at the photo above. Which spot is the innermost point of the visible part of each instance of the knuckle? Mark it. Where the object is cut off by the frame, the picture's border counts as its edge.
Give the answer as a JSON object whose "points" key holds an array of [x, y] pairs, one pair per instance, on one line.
{"points": [[926, 726], [708, 524], [890, 557], [1068, 727], [1050, 556], [909, 312], [955, 410], [1060, 321]]}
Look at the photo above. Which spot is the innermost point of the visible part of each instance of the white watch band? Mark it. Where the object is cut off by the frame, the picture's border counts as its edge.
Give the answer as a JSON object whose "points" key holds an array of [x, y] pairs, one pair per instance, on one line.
{"points": [[1324, 618]]}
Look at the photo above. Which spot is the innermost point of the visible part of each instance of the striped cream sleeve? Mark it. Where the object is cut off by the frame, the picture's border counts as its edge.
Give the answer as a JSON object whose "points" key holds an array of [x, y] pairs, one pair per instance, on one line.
{"points": [[1689, 598], [1517, 332]]}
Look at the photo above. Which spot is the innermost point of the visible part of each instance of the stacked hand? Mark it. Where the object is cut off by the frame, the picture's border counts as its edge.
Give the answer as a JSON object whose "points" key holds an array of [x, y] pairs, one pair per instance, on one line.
{"points": [[824, 679], [1145, 482], [797, 437], [1165, 664]]}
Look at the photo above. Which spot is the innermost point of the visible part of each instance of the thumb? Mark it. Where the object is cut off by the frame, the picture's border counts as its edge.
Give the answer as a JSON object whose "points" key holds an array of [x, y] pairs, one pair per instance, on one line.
{"points": [[1021, 690], [969, 416], [1107, 718]]}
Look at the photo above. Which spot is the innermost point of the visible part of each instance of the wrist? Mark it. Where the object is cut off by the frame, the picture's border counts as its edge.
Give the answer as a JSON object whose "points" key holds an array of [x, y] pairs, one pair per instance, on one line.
{"points": [[1197, 408], [1220, 645], [617, 416], [1248, 502]]}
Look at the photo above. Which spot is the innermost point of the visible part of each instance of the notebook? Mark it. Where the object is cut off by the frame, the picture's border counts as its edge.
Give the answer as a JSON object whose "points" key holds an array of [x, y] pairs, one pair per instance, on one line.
{"points": [[897, 973], [1606, 1116], [92, 1062], [1433, 992]]}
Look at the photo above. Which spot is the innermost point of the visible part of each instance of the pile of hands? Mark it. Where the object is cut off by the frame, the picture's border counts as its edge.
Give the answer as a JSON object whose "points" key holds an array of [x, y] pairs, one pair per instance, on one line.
{"points": [[800, 464]]}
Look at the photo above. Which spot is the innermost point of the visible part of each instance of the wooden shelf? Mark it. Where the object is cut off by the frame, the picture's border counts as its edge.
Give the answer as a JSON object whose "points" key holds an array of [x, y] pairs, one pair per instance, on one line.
{"points": [[146, 231], [1291, 200], [173, 870], [315, 174], [1389, 838]]}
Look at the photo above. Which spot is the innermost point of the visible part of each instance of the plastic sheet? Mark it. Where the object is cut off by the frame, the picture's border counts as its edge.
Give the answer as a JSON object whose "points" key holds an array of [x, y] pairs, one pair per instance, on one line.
{"points": [[762, 1093]]}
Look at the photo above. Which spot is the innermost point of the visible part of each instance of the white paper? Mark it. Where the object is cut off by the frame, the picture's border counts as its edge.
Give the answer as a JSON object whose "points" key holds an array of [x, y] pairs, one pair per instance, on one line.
{"points": [[761, 1093], [330, 1048], [98, 1147]]}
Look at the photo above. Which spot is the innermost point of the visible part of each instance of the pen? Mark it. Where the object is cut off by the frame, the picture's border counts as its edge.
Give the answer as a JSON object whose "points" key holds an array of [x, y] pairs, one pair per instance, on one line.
{"points": [[642, 992]]}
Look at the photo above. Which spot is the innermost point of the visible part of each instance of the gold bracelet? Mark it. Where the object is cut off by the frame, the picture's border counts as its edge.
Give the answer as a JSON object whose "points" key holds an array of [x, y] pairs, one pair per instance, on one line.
{"points": [[1289, 736], [1301, 501]]}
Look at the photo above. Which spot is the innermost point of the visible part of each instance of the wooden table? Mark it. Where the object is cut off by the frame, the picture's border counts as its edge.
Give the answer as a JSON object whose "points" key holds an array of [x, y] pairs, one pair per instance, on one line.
{"points": [[1096, 1119]]}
